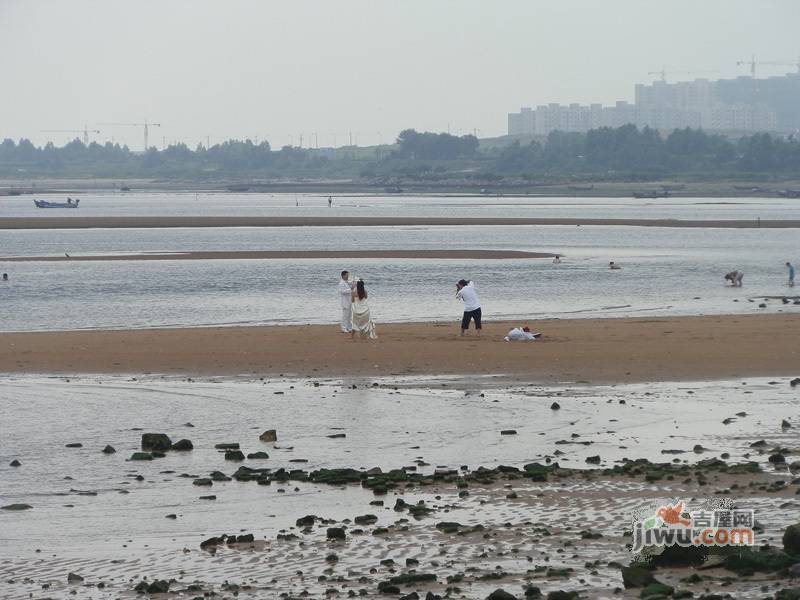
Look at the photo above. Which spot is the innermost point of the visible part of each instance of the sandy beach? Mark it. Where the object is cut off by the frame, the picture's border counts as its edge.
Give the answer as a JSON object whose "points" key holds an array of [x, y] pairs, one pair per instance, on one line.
{"points": [[596, 350], [289, 254], [79, 222]]}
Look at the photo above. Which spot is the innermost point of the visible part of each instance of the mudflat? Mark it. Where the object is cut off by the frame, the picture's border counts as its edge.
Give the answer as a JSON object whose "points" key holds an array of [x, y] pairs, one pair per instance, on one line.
{"points": [[596, 350]]}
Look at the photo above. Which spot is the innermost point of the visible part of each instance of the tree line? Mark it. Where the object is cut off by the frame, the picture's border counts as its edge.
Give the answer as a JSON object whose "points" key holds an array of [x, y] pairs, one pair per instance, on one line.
{"points": [[621, 153]]}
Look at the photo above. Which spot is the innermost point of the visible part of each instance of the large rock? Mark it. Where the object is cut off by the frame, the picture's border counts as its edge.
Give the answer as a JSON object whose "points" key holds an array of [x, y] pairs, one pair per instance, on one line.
{"points": [[791, 539], [16, 507], [156, 441]]}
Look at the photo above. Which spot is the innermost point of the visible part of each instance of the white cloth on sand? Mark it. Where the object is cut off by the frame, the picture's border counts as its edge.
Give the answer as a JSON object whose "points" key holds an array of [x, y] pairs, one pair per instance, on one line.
{"points": [[362, 320], [520, 335]]}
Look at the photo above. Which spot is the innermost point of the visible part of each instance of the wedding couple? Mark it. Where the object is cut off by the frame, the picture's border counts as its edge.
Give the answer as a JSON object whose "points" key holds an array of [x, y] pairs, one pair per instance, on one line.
{"points": [[355, 308]]}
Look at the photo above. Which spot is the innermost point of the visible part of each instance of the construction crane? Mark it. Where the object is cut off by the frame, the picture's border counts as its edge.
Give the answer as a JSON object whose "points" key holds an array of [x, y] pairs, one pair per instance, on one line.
{"points": [[772, 63], [145, 125], [663, 72], [85, 131]]}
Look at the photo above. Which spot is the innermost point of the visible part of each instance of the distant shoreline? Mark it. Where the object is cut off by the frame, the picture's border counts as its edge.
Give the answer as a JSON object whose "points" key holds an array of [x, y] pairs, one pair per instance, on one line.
{"points": [[291, 254], [78, 222], [338, 187]]}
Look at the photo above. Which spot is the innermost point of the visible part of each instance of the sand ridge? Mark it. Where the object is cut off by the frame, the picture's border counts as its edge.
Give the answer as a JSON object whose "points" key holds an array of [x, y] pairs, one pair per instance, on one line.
{"points": [[596, 350]]}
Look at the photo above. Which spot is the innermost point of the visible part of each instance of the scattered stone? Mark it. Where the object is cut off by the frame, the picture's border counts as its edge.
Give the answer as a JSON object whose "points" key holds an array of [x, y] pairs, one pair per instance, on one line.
{"points": [[270, 435], [109, 450], [555, 406], [508, 432], [156, 441], [501, 594], [335, 533], [758, 444], [14, 463], [159, 586], [698, 449], [656, 590], [202, 481], [74, 445], [306, 521], [777, 458], [594, 460], [183, 445], [365, 520], [171, 516], [257, 455], [791, 539], [795, 382], [236, 455], [637, 576], [335, 436], [210, 497], [785, 424], [141, 456], [227, 446]]}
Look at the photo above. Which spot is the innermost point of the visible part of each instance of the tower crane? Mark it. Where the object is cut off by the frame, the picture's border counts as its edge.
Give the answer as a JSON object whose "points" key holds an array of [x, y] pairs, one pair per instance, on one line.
{"points": [[85, 131], [663, 72], [146, 125], [772, 63]]}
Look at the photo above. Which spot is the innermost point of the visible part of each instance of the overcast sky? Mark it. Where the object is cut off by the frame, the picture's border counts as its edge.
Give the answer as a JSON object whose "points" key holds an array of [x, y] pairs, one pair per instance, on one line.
{"points": [[279, 69]]}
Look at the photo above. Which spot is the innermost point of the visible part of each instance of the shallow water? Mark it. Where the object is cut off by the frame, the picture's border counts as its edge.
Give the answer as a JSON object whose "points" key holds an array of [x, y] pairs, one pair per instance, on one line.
{"points": [[121, 532], [306, 205], [665, 272]]}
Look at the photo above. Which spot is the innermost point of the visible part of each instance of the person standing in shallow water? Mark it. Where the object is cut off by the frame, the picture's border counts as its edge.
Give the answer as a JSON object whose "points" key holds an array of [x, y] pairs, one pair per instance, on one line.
{"points": [[790, 266], [346, 302], [465, 291]]}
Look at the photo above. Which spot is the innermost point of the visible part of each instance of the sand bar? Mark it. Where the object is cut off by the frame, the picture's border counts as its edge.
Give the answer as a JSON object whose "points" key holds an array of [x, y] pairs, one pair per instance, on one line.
{"points": [[79, 222], [289, 254], [596, 350]]}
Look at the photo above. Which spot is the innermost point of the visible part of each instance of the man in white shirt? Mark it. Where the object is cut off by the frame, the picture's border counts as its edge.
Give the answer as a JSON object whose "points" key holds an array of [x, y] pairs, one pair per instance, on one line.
{"points": [[346, 298], [465, 291]]}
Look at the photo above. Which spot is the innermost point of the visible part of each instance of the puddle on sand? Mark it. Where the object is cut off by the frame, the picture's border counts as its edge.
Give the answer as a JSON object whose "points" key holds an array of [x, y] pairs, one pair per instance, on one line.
{"points": [[121, 533]]}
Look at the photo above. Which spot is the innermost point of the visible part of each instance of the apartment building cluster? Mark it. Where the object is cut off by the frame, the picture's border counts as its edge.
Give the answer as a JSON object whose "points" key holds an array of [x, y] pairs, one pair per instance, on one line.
{"points": [[741, 104]]}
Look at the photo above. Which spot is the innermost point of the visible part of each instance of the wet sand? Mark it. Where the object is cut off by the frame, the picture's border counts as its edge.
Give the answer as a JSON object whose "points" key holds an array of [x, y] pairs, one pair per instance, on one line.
{"points": [[78, 222], [438, 499], [288, 254], [596, 350]]}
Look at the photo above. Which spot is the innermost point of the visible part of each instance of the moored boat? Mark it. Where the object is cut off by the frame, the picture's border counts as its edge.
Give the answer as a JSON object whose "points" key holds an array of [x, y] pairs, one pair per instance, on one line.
{"points": [[70, 203]]}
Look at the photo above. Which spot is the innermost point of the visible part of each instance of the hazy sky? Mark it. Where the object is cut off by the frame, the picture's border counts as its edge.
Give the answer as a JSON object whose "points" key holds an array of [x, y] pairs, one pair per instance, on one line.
{"points": [[278, 69]]}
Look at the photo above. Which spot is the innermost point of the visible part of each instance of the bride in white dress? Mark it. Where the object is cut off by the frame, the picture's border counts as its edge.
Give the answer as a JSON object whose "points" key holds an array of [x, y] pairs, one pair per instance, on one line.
{"points": [[362, 321]]}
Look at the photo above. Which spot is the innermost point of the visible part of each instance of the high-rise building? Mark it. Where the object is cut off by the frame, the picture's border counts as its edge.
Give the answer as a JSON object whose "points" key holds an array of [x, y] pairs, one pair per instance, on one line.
{"points": [[741, 104]]}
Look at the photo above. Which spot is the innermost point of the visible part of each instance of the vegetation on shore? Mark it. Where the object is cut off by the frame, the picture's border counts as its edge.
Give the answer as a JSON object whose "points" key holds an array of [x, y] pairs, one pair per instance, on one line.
{"points": [[607, 154]]}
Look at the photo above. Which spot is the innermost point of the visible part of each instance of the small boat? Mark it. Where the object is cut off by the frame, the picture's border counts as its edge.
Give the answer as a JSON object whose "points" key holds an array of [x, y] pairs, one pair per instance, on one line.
{"points": [[70, 203]]}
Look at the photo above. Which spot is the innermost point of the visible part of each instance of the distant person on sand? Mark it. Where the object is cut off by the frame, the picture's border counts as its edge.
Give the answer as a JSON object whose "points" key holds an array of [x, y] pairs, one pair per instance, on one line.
{"points": [[330, 201], [557, 260], [5, 276], [362, 320], [614, 266], [465, 291], [790, 266], [735, 278], [346, 302]]}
